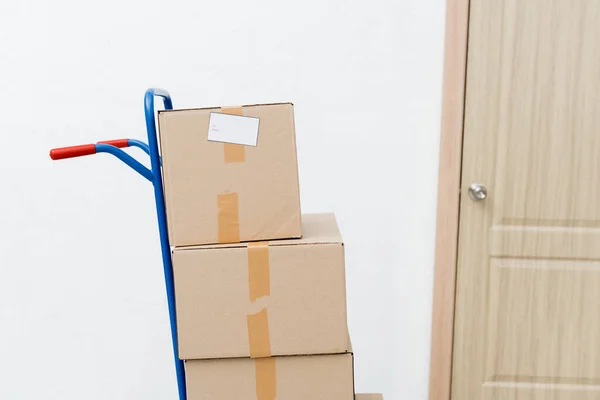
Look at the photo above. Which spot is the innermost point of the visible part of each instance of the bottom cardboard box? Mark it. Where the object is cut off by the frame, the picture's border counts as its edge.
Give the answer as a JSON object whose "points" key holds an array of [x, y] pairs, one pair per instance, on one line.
{"points": [[319, 377], [368, 396]]}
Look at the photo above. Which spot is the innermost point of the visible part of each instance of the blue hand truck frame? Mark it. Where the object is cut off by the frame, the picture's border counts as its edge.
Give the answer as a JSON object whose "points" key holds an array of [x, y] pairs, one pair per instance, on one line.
{"points": [[154, 175]]}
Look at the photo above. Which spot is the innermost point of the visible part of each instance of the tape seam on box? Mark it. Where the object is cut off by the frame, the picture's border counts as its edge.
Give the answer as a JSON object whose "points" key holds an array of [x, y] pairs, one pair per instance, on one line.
{"points": [[259, 277], [233, 153], [259, 286], [258, 334], [266, 378]]}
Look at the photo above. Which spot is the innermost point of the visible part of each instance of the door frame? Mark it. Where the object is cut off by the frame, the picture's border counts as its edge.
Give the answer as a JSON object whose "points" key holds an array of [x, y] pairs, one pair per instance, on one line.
{"points": [[448, 198]]}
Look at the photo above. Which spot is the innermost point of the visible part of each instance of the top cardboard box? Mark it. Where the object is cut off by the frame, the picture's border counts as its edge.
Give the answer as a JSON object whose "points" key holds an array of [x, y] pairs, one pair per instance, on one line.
{"points": [[220, 191]]}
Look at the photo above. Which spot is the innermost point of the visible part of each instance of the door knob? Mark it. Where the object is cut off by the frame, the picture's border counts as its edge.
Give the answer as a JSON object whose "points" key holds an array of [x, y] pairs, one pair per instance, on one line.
{"points": [[477, 191]]}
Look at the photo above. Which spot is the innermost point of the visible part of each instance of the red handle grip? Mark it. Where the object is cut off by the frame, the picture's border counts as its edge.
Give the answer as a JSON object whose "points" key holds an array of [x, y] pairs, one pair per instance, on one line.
{"points": [[84, 149], [117, 142], [72, 151]]}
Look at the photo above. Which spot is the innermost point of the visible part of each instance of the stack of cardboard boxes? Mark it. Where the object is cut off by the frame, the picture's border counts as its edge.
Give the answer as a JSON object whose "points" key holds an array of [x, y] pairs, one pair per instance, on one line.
{"points": [[260, 288]]}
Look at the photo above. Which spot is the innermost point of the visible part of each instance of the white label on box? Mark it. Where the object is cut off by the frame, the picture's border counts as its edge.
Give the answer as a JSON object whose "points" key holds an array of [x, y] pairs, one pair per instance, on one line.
{"points": [[234, 129]]}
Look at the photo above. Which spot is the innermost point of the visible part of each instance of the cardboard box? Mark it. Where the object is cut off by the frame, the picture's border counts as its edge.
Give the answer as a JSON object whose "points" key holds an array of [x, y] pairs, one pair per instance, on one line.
{"points": [[368, 396], [325, 377], [219, 192], [284, 298]]}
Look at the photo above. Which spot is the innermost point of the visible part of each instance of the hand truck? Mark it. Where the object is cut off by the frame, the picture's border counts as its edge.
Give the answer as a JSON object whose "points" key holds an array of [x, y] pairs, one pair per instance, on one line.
{"points": [[154, 175]]}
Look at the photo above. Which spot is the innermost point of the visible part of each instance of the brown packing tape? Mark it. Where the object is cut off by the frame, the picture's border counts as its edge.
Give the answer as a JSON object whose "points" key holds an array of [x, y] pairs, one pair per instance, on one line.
{"points": [[259, 277], [259, 286], [368, 396], [228, 218], [259, 340], [232, 152], [232, 110], [266, 378]]}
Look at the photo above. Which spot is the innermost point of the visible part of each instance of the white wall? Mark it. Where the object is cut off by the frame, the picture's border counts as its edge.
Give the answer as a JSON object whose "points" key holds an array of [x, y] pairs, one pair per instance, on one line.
{"points": [[82, 307]]}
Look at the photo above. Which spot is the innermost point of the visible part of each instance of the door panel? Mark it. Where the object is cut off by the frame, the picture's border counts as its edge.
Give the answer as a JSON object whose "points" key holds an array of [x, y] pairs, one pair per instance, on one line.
{"points": [[542, 321], [527, 323], [500, 391]]}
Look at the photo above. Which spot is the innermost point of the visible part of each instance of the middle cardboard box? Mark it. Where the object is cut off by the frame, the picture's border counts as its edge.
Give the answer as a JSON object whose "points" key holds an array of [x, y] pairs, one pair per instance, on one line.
{"points": [[261, 299]]}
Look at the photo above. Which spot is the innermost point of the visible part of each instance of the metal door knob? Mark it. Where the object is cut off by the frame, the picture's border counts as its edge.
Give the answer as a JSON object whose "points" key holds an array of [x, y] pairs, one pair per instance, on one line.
{"points": [[477, 191]]}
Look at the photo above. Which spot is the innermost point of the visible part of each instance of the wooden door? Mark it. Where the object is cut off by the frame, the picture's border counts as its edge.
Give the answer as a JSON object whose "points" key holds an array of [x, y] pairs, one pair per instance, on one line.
{"points": [[527, 317]]}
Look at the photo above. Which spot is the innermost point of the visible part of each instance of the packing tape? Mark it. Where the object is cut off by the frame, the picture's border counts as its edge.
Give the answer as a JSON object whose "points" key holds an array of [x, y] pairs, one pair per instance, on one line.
{"points": [[259, 285], [266, 378], [258, 334], [228, 218], [233, 152], [259, 276]]}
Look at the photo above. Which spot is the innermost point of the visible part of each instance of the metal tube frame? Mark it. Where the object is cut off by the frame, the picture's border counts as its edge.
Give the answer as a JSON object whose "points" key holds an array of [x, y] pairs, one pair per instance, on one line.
{"points": [[159, 198], [154, 175]]}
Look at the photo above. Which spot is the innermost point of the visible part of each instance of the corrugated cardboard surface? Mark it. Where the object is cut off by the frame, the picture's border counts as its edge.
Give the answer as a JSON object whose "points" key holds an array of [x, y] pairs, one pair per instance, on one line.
{"points": [[368, 396], [327, 377], [306, 303], [196, 172]]}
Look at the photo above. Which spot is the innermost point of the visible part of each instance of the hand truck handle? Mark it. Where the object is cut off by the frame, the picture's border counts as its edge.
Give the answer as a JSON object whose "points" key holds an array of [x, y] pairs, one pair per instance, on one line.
{"points": [[84, 149], [120, 143], [89, 149], [72, 151], [154, 175]]}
